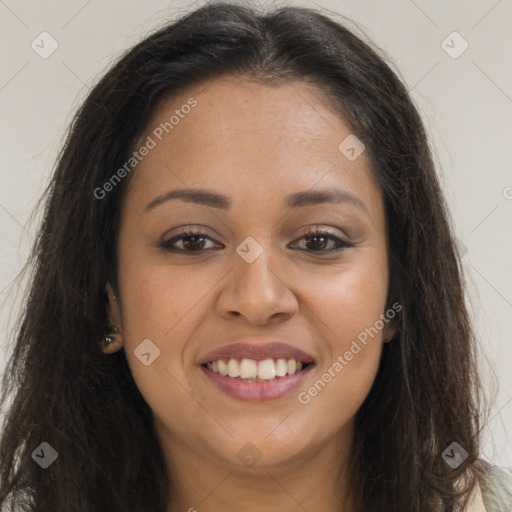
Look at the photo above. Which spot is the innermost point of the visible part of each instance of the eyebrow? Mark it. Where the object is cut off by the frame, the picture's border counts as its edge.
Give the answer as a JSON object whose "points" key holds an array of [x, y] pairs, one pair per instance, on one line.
{"points": [[295, 200]]}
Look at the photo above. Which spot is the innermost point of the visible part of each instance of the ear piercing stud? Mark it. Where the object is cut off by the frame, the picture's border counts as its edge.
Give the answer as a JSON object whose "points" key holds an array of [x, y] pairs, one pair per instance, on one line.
{"points": [[110, 338]]}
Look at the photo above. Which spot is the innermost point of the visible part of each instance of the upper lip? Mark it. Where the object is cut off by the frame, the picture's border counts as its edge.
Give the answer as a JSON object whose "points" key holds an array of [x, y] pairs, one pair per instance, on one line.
{"points": [[260, 351]]}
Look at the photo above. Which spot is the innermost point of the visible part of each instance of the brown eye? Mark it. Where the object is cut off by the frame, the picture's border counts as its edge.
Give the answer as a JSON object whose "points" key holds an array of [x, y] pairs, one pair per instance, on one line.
{"points": [[317, 241], [189, 240]]}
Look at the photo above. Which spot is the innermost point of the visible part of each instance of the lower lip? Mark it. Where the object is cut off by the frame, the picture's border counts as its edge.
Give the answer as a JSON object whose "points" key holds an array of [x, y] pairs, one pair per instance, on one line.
{"points": [[257, 391]]}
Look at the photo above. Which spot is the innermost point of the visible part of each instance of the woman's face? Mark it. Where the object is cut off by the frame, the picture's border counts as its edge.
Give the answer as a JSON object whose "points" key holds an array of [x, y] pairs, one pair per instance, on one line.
{"points": [[253, 273]]}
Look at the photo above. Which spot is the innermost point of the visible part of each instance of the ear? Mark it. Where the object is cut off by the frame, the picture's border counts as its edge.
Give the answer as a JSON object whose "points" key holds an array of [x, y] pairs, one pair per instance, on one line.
{"points": [[389, 331], [114, 318]]}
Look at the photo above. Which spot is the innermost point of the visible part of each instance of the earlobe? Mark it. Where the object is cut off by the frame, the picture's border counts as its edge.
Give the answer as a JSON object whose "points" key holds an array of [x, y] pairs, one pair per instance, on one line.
{"points": [[112, 341], [389, 332], [114, 315]]}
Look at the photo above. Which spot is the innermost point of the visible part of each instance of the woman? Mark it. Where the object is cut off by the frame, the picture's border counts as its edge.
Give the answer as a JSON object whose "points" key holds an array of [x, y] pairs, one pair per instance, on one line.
{"points": [[247, 214]]}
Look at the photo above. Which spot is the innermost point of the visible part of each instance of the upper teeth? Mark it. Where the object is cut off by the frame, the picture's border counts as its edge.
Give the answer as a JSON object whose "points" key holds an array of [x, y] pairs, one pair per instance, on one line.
{"points": [[267, 369]]}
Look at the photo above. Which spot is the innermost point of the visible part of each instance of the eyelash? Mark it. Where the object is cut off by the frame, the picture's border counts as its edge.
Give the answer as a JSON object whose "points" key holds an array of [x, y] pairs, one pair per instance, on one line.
{"points": [[189, 233]]}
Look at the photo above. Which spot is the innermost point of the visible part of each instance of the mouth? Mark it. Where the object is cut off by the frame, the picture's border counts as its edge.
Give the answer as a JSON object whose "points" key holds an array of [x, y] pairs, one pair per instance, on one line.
{"points": [[257, 373]]}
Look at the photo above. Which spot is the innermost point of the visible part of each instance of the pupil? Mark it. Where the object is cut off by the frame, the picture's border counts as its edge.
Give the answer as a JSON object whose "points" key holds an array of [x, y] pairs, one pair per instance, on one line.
{"points": [[192, 240], [316, 237]]}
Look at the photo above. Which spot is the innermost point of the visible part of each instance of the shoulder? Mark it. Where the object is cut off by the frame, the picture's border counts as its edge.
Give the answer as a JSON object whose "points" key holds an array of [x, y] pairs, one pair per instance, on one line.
{"points": [[497, 489]]}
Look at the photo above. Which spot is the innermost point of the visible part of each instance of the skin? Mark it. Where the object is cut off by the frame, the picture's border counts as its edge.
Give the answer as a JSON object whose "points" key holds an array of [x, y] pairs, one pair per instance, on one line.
{"points": [[255, 144]]}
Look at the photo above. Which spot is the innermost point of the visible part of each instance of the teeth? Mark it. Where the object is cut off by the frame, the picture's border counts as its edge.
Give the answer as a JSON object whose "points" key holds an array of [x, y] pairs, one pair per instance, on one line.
{"points": [[266, 369], [281, 367], [223, 367], [250, 369], [233, 368]]}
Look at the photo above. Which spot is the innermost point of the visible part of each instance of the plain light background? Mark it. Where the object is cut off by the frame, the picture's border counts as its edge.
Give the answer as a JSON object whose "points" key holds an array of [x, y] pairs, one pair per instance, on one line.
{"points": [[465, 102]]}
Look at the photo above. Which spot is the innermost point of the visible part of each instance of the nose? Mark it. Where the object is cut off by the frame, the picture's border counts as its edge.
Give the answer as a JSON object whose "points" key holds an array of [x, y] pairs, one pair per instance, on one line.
{"points": [[257, 291]]}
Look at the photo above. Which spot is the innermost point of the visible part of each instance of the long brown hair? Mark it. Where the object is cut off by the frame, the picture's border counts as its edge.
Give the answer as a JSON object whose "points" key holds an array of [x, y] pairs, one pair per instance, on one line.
{"points": [[85, 404]]}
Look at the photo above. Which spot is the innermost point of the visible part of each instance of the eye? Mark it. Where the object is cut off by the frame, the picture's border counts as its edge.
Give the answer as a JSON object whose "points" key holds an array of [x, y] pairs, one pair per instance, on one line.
{"points": [[317, 240], [190, 241]]}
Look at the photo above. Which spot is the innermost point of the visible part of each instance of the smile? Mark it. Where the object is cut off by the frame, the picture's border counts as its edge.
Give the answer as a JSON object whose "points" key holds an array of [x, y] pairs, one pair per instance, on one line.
{"points": [[256, 370], [256, 381]]}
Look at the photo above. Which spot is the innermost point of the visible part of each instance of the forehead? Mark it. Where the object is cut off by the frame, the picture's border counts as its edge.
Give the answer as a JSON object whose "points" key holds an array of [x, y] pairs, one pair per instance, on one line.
{"points": [[245, 136], [294, 112]]}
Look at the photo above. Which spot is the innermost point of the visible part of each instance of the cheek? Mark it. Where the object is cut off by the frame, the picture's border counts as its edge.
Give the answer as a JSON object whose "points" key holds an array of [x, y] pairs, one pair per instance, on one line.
{"points": [[349, 307], [350, 300], [157, 298], [163, 304]]}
